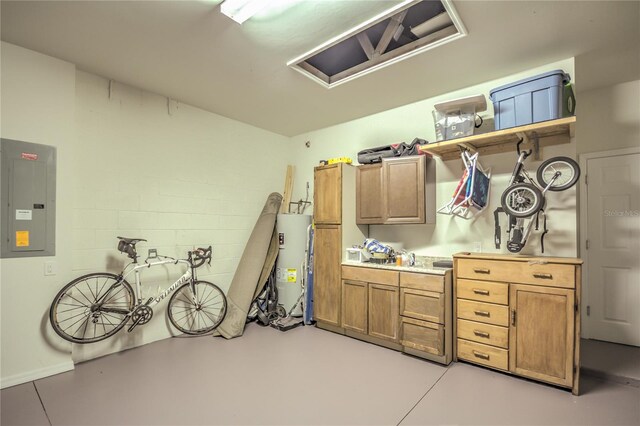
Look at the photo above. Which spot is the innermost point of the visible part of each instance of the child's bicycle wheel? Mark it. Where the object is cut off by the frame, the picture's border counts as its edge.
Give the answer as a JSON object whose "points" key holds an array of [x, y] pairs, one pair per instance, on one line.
{"points": [[76, 315], [568, 169], [200, 314], [522, 200]]}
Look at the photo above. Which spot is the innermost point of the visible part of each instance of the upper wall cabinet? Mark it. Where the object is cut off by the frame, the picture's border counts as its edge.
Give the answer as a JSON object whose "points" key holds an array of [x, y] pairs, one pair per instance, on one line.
{"points": [[328, 195], [397, 190]]}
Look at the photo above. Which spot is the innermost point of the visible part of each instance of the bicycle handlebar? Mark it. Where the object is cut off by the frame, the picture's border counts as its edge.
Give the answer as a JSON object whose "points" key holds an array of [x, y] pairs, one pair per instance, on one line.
{"points": [[200, 255]]}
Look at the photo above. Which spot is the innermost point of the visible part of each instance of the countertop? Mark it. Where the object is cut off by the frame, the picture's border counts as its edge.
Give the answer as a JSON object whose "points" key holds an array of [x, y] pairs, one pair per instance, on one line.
{"points": [[424, 265]]}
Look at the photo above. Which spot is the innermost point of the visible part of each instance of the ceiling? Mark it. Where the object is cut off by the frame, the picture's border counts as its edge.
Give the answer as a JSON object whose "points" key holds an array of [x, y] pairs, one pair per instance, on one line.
{"points": [[189, 51]]}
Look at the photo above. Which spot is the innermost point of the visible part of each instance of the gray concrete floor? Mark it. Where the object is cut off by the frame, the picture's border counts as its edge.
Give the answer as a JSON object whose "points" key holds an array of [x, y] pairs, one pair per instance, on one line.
{"points": [[611, 361], [301, 377]]}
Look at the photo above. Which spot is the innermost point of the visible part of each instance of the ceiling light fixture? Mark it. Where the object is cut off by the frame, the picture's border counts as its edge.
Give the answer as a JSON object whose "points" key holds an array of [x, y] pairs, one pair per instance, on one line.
{"points": [[241, 10]]}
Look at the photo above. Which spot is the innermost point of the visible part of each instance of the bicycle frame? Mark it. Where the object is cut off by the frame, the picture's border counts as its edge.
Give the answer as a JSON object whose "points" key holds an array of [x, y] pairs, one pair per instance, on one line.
{"points": [[188, 276]]}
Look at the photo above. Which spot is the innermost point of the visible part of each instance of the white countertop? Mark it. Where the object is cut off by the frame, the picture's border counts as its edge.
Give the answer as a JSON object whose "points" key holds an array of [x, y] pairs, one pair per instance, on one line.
{"points": [[425, 265]]}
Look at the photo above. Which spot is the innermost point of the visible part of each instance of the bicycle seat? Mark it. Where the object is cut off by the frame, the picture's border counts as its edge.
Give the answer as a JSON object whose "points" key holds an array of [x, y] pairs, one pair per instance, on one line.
{"points": [[133, 241]]}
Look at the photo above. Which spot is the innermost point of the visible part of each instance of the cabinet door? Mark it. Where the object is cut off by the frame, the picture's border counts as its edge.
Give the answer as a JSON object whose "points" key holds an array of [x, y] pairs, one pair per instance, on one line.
{"points": [[354, 306], [369, 199], [384, 311], [327, 194], [541, 333], [404, 186], [326, 284]]}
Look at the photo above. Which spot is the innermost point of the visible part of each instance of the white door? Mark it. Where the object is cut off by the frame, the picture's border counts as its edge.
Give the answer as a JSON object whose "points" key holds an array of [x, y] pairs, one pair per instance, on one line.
{"points": [[613, 256]]}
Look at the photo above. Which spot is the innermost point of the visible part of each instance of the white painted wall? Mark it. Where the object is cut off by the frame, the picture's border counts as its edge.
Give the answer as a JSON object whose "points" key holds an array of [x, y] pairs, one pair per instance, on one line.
{"points": [[173, 174], [38, 103], [127, 165], [609, 117], [449, 235]]}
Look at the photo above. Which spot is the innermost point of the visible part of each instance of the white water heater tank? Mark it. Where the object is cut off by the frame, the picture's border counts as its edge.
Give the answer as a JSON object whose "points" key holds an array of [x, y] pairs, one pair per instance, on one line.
{"points": [[292, 237]]}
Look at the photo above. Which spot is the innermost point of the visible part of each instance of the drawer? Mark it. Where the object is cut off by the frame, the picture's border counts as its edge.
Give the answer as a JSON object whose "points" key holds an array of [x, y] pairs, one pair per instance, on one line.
{"points": [[483, 291], [548, 274], [422, 336], [370, 275], [487, 313], [422, 281], [493, 335], [483, 354], [423, 305]]}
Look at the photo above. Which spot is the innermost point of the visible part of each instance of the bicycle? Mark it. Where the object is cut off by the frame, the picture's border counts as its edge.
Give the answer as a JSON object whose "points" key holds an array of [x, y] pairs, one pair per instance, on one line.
{"points": [[525, 198], [96, 306]]}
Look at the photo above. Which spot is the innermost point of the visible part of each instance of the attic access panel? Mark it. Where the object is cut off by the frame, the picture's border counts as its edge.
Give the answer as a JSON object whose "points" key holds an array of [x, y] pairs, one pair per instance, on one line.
{"points": [[411, 27]]}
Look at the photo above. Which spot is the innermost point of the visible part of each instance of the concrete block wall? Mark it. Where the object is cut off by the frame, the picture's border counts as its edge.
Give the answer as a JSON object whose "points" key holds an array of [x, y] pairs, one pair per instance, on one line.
{"points": [[175, 175]]}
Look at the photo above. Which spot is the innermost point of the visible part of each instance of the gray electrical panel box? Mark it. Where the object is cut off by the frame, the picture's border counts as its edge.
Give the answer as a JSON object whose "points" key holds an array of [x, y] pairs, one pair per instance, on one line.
{"points": [[28, 195]]}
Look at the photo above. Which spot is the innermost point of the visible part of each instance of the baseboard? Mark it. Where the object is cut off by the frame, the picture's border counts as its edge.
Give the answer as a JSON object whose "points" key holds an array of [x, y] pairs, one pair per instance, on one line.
{"points": [[18, 379]]}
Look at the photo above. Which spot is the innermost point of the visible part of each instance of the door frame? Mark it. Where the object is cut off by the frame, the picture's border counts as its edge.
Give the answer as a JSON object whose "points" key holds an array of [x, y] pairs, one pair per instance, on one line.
{"points": [[583, 228]]}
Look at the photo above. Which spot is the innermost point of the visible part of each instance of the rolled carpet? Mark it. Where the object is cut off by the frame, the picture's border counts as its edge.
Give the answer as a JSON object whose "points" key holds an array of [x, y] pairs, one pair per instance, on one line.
{"points": [[246, 280]]}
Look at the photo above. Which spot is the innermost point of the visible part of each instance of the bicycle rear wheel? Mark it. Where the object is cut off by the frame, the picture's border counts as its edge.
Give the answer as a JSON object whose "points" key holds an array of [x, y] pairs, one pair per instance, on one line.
{"points": [[199, 313], [76, 316]]}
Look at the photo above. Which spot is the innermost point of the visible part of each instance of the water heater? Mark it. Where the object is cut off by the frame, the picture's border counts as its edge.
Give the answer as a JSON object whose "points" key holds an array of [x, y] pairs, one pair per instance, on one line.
{"points": [[292, 236]]}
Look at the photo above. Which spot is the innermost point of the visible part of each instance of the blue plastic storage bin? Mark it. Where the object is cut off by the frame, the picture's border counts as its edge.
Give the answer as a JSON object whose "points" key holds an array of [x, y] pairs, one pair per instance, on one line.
{"points": [[543, 97]]}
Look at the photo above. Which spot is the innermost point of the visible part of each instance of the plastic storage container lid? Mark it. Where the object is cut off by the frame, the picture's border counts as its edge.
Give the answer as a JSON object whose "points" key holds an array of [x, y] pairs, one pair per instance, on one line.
{"points": [[565, 79]]}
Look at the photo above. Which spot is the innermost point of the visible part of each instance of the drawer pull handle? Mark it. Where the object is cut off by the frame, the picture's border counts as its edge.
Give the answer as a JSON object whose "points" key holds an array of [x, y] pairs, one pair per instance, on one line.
{"points": [[481, 333], [481, 292], [481, 271], [482, 313], [480, 355], [543, 276]]}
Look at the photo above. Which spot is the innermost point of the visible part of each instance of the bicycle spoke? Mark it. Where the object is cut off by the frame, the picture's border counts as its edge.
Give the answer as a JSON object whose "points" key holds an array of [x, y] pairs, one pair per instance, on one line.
{"points": [[72, 309], [213, 319], [206, 297], [103, 285], [114, 295], [91, 291], [84, 295], [81, 303], [210, 298], [182, 300], [184, 316], [83, 323], [72, 304], [74, 316]]}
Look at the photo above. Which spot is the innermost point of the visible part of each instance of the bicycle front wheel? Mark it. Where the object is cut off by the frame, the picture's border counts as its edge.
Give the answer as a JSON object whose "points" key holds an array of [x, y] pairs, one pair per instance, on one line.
{"points": [[77, 316], [522, 200], [566, 169], [197, 313]]}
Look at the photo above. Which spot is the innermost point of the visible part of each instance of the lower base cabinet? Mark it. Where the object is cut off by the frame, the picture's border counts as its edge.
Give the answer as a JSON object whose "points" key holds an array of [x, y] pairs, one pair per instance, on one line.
{"points": [[384, 302], [423, 336], [405, 311], [520, 314]]}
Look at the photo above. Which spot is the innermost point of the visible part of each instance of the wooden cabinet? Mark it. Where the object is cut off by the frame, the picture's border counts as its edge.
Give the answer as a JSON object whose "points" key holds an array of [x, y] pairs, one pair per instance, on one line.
{"points": [[520, 314], [371, 303], [327, 194], [408, 311], [355, 303], [404, 190], [335, 229], [542, 333], [397, 190], [383, 312], [426, 327], [369, 195], [326, 289]]}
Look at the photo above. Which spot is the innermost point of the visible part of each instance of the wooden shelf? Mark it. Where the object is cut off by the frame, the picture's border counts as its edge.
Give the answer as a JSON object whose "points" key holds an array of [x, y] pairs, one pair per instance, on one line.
{"points": [[547, 133]]}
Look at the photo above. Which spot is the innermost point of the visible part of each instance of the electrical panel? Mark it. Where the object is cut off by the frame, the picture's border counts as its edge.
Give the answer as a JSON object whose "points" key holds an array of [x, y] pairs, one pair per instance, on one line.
{"points": [[28, 195]]}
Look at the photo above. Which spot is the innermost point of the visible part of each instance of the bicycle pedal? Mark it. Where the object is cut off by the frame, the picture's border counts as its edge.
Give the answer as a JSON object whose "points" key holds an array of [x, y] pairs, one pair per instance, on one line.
{"points": [[132, 326]]}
